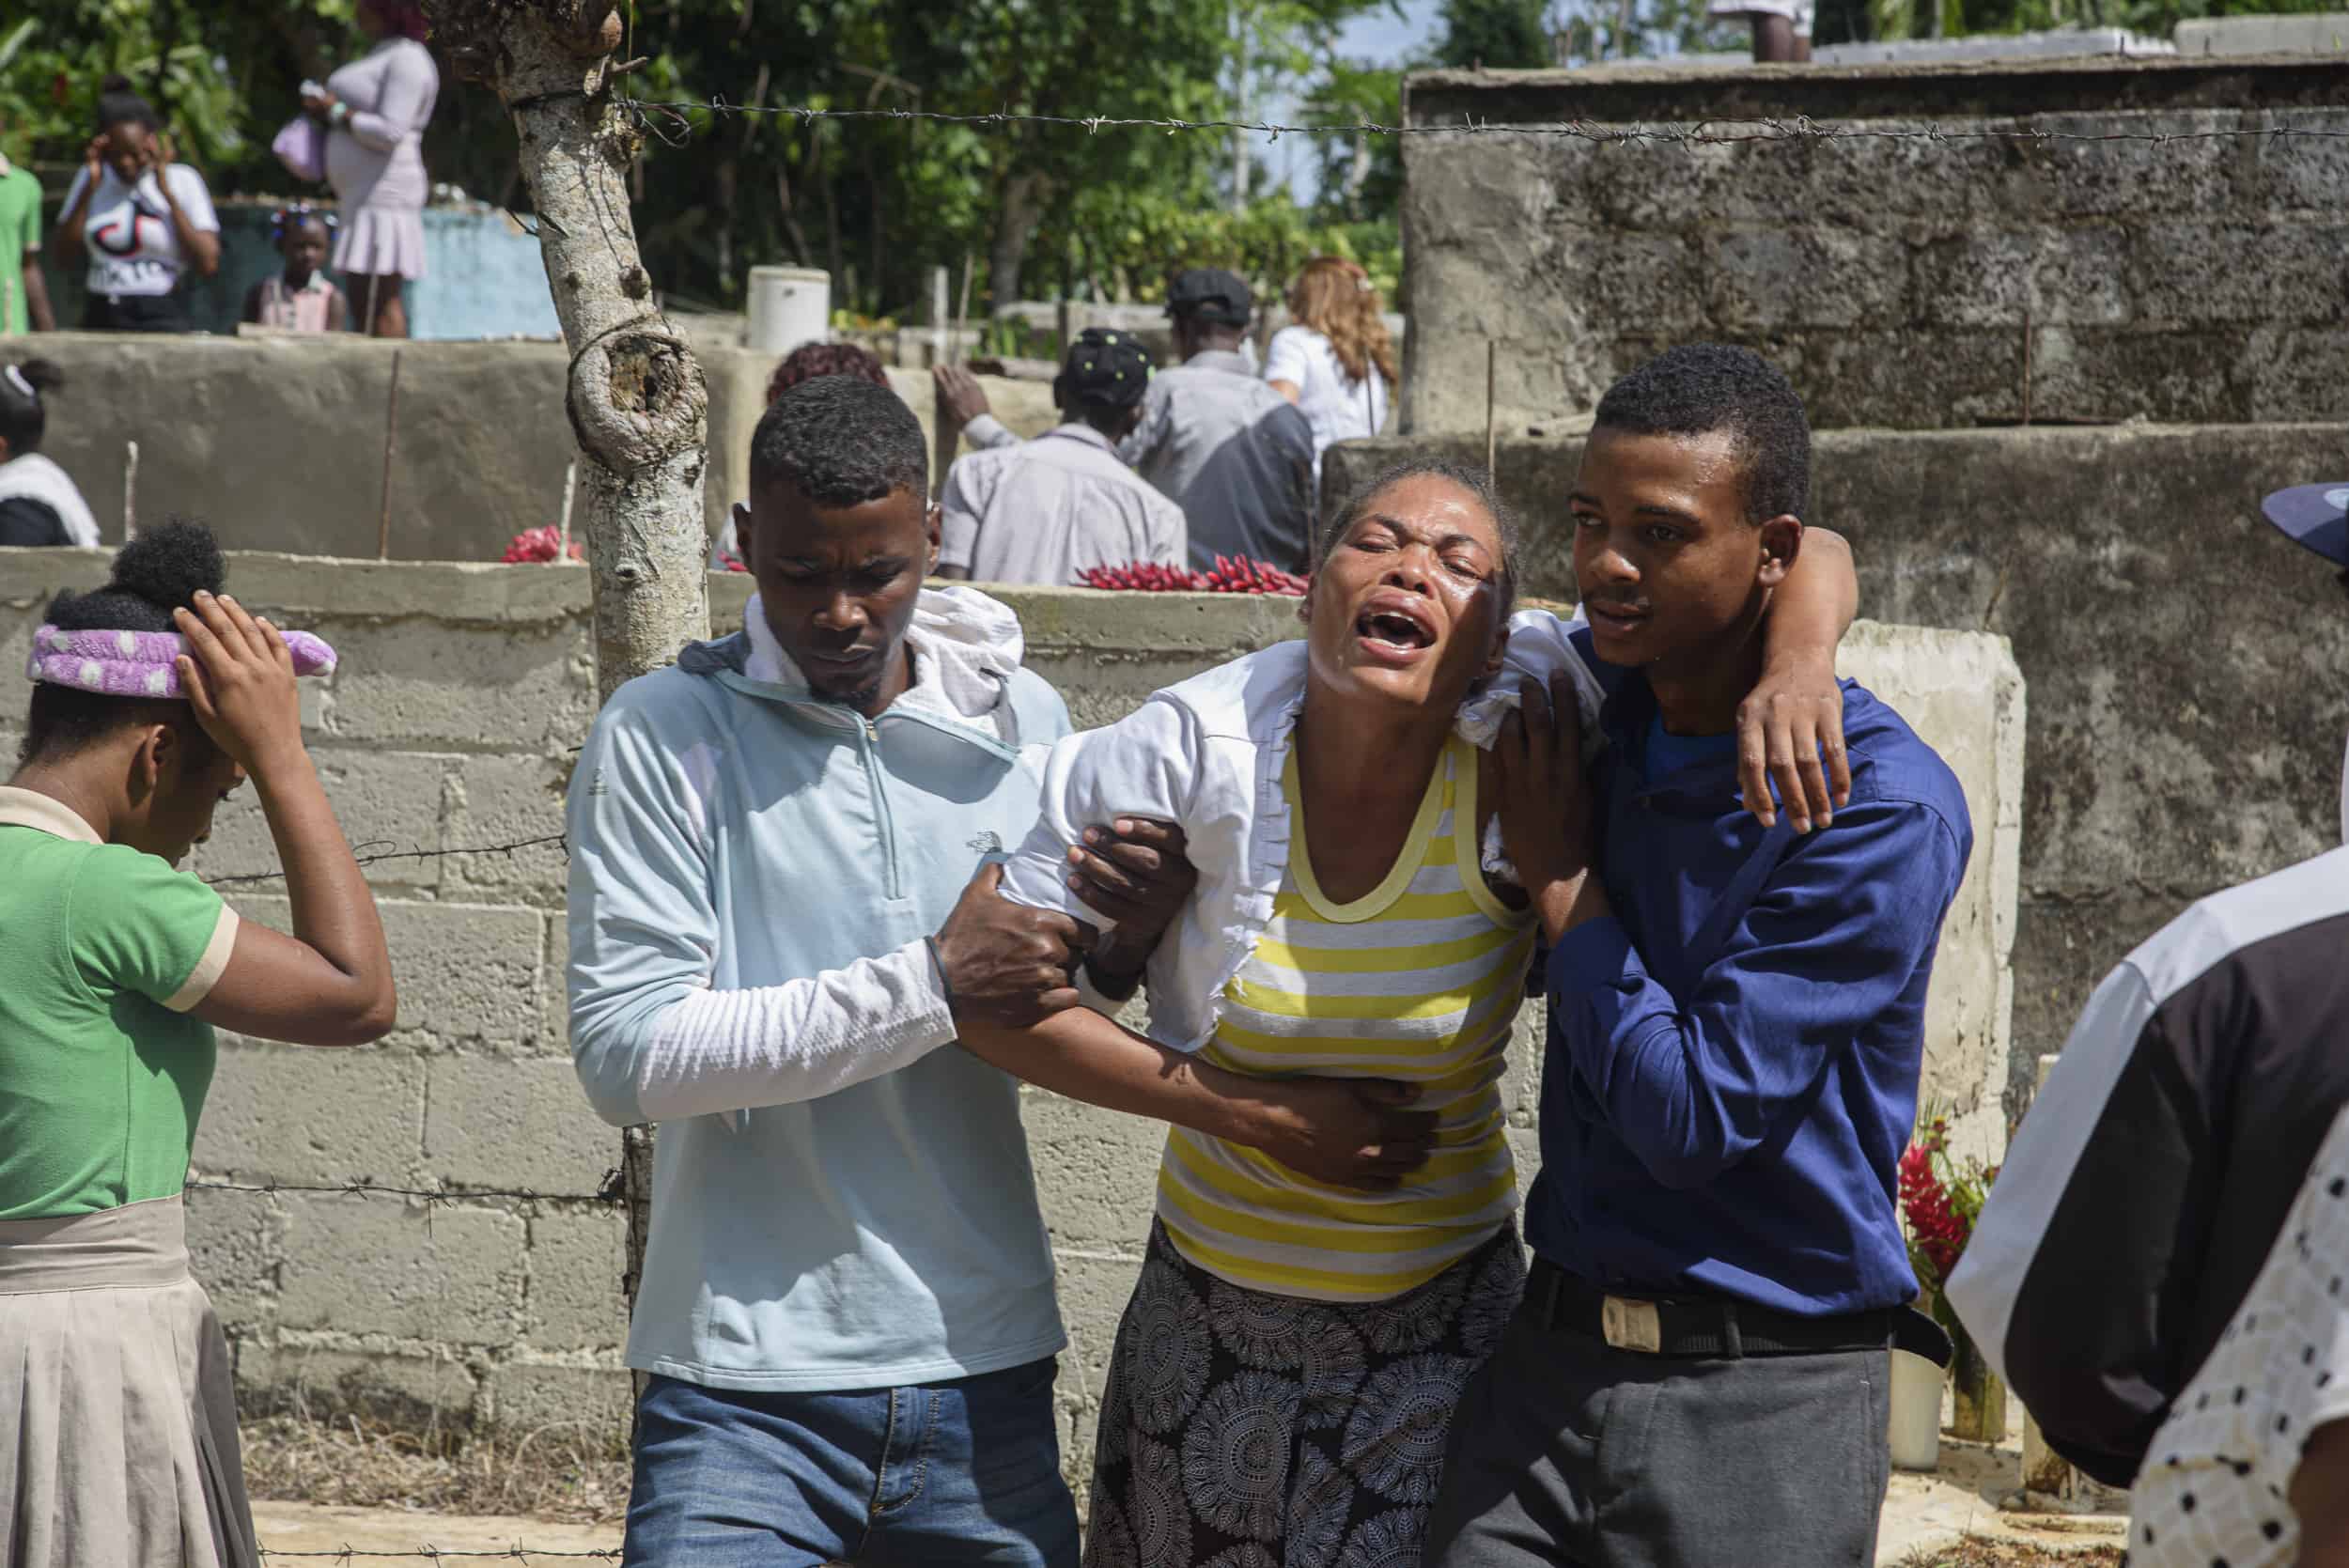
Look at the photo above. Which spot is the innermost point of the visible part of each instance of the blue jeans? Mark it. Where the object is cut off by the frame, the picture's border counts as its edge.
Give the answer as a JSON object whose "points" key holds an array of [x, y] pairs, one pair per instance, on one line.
{"points": [[944, 1473]]}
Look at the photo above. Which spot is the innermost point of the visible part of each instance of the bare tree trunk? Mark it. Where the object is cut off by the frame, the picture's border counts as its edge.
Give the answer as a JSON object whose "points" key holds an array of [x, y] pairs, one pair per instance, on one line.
{"points": [[638, 405], [1020, 210]]}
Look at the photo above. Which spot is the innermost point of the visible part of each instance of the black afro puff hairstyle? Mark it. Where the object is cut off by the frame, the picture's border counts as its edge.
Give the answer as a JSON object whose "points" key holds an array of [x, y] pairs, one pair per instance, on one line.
{"points": [[160, 571]]}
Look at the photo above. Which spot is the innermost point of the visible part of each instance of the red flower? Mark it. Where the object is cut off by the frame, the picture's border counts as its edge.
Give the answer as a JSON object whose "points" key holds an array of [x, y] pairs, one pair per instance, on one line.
{"points": [[1939, 1202], [539, 544], [1241, 576]]}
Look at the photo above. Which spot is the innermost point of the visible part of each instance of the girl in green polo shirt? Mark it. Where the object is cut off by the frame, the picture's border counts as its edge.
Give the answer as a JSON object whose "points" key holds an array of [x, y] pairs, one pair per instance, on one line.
{"points": [[155, 699]]}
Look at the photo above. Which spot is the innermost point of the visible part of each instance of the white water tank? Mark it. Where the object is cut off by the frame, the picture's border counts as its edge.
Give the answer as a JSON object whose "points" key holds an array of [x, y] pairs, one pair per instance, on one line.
{"points": [[789, 306]]}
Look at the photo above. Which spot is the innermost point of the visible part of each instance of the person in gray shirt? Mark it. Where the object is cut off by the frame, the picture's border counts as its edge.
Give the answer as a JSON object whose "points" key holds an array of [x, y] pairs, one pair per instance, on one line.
{"points": [[1214, 438], [1049, 510], [1233, 453]]}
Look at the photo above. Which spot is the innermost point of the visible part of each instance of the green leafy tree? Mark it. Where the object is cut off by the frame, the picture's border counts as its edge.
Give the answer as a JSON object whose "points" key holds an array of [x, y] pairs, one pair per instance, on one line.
{"points": [[1499, 34], [1362, 173]]}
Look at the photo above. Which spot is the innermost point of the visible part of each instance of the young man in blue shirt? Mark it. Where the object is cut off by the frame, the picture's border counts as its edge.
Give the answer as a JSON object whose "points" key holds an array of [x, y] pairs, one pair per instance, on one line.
{"points": [[1697, 1373]]}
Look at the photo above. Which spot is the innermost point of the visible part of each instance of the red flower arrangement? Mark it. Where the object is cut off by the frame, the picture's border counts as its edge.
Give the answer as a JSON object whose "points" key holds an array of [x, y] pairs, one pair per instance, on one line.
{"points": [[539, 544], [1941, 1197], [1241, 576], [1941, 1200]]}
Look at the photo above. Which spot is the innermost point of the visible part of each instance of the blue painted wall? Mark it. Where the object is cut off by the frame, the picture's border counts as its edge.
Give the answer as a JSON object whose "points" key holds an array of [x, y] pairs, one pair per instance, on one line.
{"points": [[487, 280]]}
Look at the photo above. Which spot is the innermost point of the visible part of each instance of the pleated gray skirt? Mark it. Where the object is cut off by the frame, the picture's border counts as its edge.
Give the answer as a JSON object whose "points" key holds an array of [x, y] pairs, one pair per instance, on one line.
{"points": [[118, 1404]]}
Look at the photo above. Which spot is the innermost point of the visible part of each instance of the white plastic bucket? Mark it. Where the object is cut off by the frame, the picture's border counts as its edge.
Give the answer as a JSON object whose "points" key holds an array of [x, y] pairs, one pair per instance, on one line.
{"points": [[1916, 1412], [788, 306]]}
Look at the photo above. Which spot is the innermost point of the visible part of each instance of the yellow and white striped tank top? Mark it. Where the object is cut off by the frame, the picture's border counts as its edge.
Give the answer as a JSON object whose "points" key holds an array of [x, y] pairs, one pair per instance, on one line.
{"points": [[1418, 980]]}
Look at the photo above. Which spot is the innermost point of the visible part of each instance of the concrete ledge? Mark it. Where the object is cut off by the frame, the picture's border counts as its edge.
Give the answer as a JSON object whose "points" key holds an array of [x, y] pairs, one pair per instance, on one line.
{"points": [[1923, 89]]}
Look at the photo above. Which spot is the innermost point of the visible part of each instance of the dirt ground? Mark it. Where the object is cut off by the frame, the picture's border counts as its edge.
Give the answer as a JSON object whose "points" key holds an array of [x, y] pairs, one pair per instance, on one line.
{"points": [[1951, 1520]]}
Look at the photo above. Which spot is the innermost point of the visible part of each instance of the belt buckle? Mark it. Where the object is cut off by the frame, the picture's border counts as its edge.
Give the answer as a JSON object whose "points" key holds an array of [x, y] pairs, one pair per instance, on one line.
{"points": [[1628, 1324]]}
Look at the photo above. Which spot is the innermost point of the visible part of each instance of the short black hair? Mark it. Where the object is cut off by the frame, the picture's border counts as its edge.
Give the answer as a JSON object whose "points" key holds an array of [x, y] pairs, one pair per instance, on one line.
{"points": [[1477, 481], [156, 573], [840, 441], [119, 103], [1699, 388], [24, 389]]}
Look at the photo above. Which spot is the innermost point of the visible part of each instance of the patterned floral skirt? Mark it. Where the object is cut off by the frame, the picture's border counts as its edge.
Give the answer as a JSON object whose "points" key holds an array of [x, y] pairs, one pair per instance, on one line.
{"points": [[1246, 1430]]}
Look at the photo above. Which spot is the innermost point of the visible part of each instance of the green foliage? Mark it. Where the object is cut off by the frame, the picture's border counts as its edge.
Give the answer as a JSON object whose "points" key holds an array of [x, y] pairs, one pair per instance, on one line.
{"points": [[1895, 18], [1362, 174], [223, 76], [1134, 242], [1499, 34]]}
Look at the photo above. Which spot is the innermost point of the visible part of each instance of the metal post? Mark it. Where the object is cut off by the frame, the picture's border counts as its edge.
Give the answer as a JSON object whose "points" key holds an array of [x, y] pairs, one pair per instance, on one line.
{"points": [[948, 431], [390, 444], [962, 309], [563, 529], [2045, 1470], [1492, 433], [940, 323]]}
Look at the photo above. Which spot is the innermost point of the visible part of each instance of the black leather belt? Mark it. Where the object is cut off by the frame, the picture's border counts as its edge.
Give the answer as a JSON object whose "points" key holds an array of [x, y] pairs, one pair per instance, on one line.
{"points": [[1717, 1327]]}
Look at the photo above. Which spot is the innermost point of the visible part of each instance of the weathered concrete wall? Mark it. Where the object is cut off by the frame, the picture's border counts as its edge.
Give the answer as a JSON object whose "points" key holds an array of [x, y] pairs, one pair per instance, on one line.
{"points": [[279, 443], [2309, 33], [1900, 280], [2184, 659], [449, 724]]}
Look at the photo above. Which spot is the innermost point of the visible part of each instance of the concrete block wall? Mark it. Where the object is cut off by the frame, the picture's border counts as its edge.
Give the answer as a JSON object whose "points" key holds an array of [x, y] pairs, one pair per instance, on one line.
{"points": [[449, 726], [1900, 280], [279, 443]]}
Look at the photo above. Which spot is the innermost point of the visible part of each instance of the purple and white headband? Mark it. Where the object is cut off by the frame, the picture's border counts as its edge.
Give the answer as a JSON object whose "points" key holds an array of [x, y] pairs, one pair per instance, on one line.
{"points": [[140, 664]]}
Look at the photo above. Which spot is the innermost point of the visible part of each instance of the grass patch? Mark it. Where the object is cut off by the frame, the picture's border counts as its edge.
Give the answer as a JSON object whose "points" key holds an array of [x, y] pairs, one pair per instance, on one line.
{"points": [[561, 1472]]}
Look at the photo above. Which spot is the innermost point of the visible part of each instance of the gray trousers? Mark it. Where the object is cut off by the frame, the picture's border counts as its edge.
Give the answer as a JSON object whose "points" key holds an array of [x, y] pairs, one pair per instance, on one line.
{"points": [[1564, 1451]]}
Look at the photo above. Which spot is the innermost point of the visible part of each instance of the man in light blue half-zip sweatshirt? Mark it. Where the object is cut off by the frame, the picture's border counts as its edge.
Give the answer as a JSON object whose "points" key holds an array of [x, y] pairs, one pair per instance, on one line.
{"points": [[847, 1307]]}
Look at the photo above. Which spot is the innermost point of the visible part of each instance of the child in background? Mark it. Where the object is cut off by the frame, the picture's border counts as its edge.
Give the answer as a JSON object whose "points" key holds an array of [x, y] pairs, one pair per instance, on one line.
{"points": [[302, 299]]}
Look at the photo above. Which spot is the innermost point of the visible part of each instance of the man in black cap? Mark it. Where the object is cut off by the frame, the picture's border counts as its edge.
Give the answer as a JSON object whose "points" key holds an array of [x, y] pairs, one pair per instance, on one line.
{"points": [[2150, 1180], [1048, 510], [1218, 440]]}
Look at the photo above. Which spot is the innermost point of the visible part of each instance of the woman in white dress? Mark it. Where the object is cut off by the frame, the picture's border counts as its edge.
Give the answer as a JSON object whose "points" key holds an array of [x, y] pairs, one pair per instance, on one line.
{"points": [[1334, 361], [375, 110]]}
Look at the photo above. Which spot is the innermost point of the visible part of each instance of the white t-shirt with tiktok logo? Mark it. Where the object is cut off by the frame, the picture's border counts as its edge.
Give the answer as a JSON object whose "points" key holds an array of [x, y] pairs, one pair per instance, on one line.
{"points": [[133, 244]]}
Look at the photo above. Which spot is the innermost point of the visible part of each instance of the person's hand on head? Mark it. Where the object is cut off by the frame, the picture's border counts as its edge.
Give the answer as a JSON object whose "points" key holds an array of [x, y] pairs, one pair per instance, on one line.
{"points": [[1005, 965], [1790, 732], [239, 677], [1356, 1132], [94, 155], [1137, 871], [965, 398]]}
